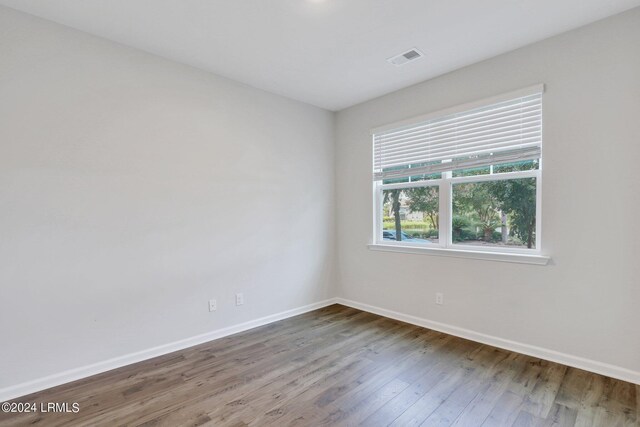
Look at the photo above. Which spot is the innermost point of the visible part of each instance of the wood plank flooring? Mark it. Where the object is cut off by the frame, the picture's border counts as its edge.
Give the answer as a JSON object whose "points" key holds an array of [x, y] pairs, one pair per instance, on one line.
{"points": [[338, 366]]}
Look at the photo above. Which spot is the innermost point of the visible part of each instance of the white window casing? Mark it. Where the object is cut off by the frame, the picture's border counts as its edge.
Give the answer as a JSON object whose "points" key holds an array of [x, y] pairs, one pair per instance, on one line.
{"points": [[501, 129]]}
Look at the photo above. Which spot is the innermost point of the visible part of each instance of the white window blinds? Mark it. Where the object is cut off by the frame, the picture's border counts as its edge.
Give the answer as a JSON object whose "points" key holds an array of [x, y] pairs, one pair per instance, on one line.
{"points": [[500, 130]]}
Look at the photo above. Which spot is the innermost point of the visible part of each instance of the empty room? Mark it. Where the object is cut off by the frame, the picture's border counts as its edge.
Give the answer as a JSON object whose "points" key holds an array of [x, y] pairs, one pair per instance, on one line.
{"points": [[320, 213]]}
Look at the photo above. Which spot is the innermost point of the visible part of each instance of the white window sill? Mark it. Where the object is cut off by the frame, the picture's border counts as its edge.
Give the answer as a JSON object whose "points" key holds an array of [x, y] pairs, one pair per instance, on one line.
{"points": [[458, 253]]}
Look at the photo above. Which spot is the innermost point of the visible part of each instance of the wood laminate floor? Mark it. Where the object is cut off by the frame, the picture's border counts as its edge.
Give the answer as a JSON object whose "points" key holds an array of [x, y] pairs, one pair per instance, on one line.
{"points": [[340, 366]]}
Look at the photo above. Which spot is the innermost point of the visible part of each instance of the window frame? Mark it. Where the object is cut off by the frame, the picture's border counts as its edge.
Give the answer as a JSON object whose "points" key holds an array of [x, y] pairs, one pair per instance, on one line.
{"points": [[445, 190], [445, 245]]}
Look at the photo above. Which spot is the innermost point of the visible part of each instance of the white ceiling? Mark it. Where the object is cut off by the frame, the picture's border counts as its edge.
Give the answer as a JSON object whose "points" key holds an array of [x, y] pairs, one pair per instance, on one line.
{"points": [[330, 53]]}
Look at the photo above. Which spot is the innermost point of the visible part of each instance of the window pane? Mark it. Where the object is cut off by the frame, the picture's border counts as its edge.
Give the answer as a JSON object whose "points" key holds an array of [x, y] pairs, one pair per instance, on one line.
{"points": [[525, 165], [414, 178], [485, 170], [425, 176], [411, 215], [495, 213]]}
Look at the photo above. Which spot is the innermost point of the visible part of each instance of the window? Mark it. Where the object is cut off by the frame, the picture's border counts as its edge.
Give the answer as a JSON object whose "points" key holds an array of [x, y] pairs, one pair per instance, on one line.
{"points": [[466, 178]]}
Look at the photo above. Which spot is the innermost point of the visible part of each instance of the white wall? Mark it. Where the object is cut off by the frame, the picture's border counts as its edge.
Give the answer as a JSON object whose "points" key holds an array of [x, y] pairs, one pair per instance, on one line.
{"points": [[133, 189], [586, 302]]}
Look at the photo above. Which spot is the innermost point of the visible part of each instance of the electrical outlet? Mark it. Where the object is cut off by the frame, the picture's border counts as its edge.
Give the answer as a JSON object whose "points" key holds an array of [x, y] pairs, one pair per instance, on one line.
{"points": [[239, 299], [439, 298], [213, 305]]}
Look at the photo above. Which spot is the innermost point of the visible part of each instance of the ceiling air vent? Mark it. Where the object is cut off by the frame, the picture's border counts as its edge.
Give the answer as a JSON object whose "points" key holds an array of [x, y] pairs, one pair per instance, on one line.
{"points": [[403, 58]]}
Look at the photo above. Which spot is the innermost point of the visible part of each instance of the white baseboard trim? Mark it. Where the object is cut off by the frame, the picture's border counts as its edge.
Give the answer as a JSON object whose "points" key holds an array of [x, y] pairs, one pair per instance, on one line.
{"points": [[530, 350], [29, 387], [40, 384]]}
